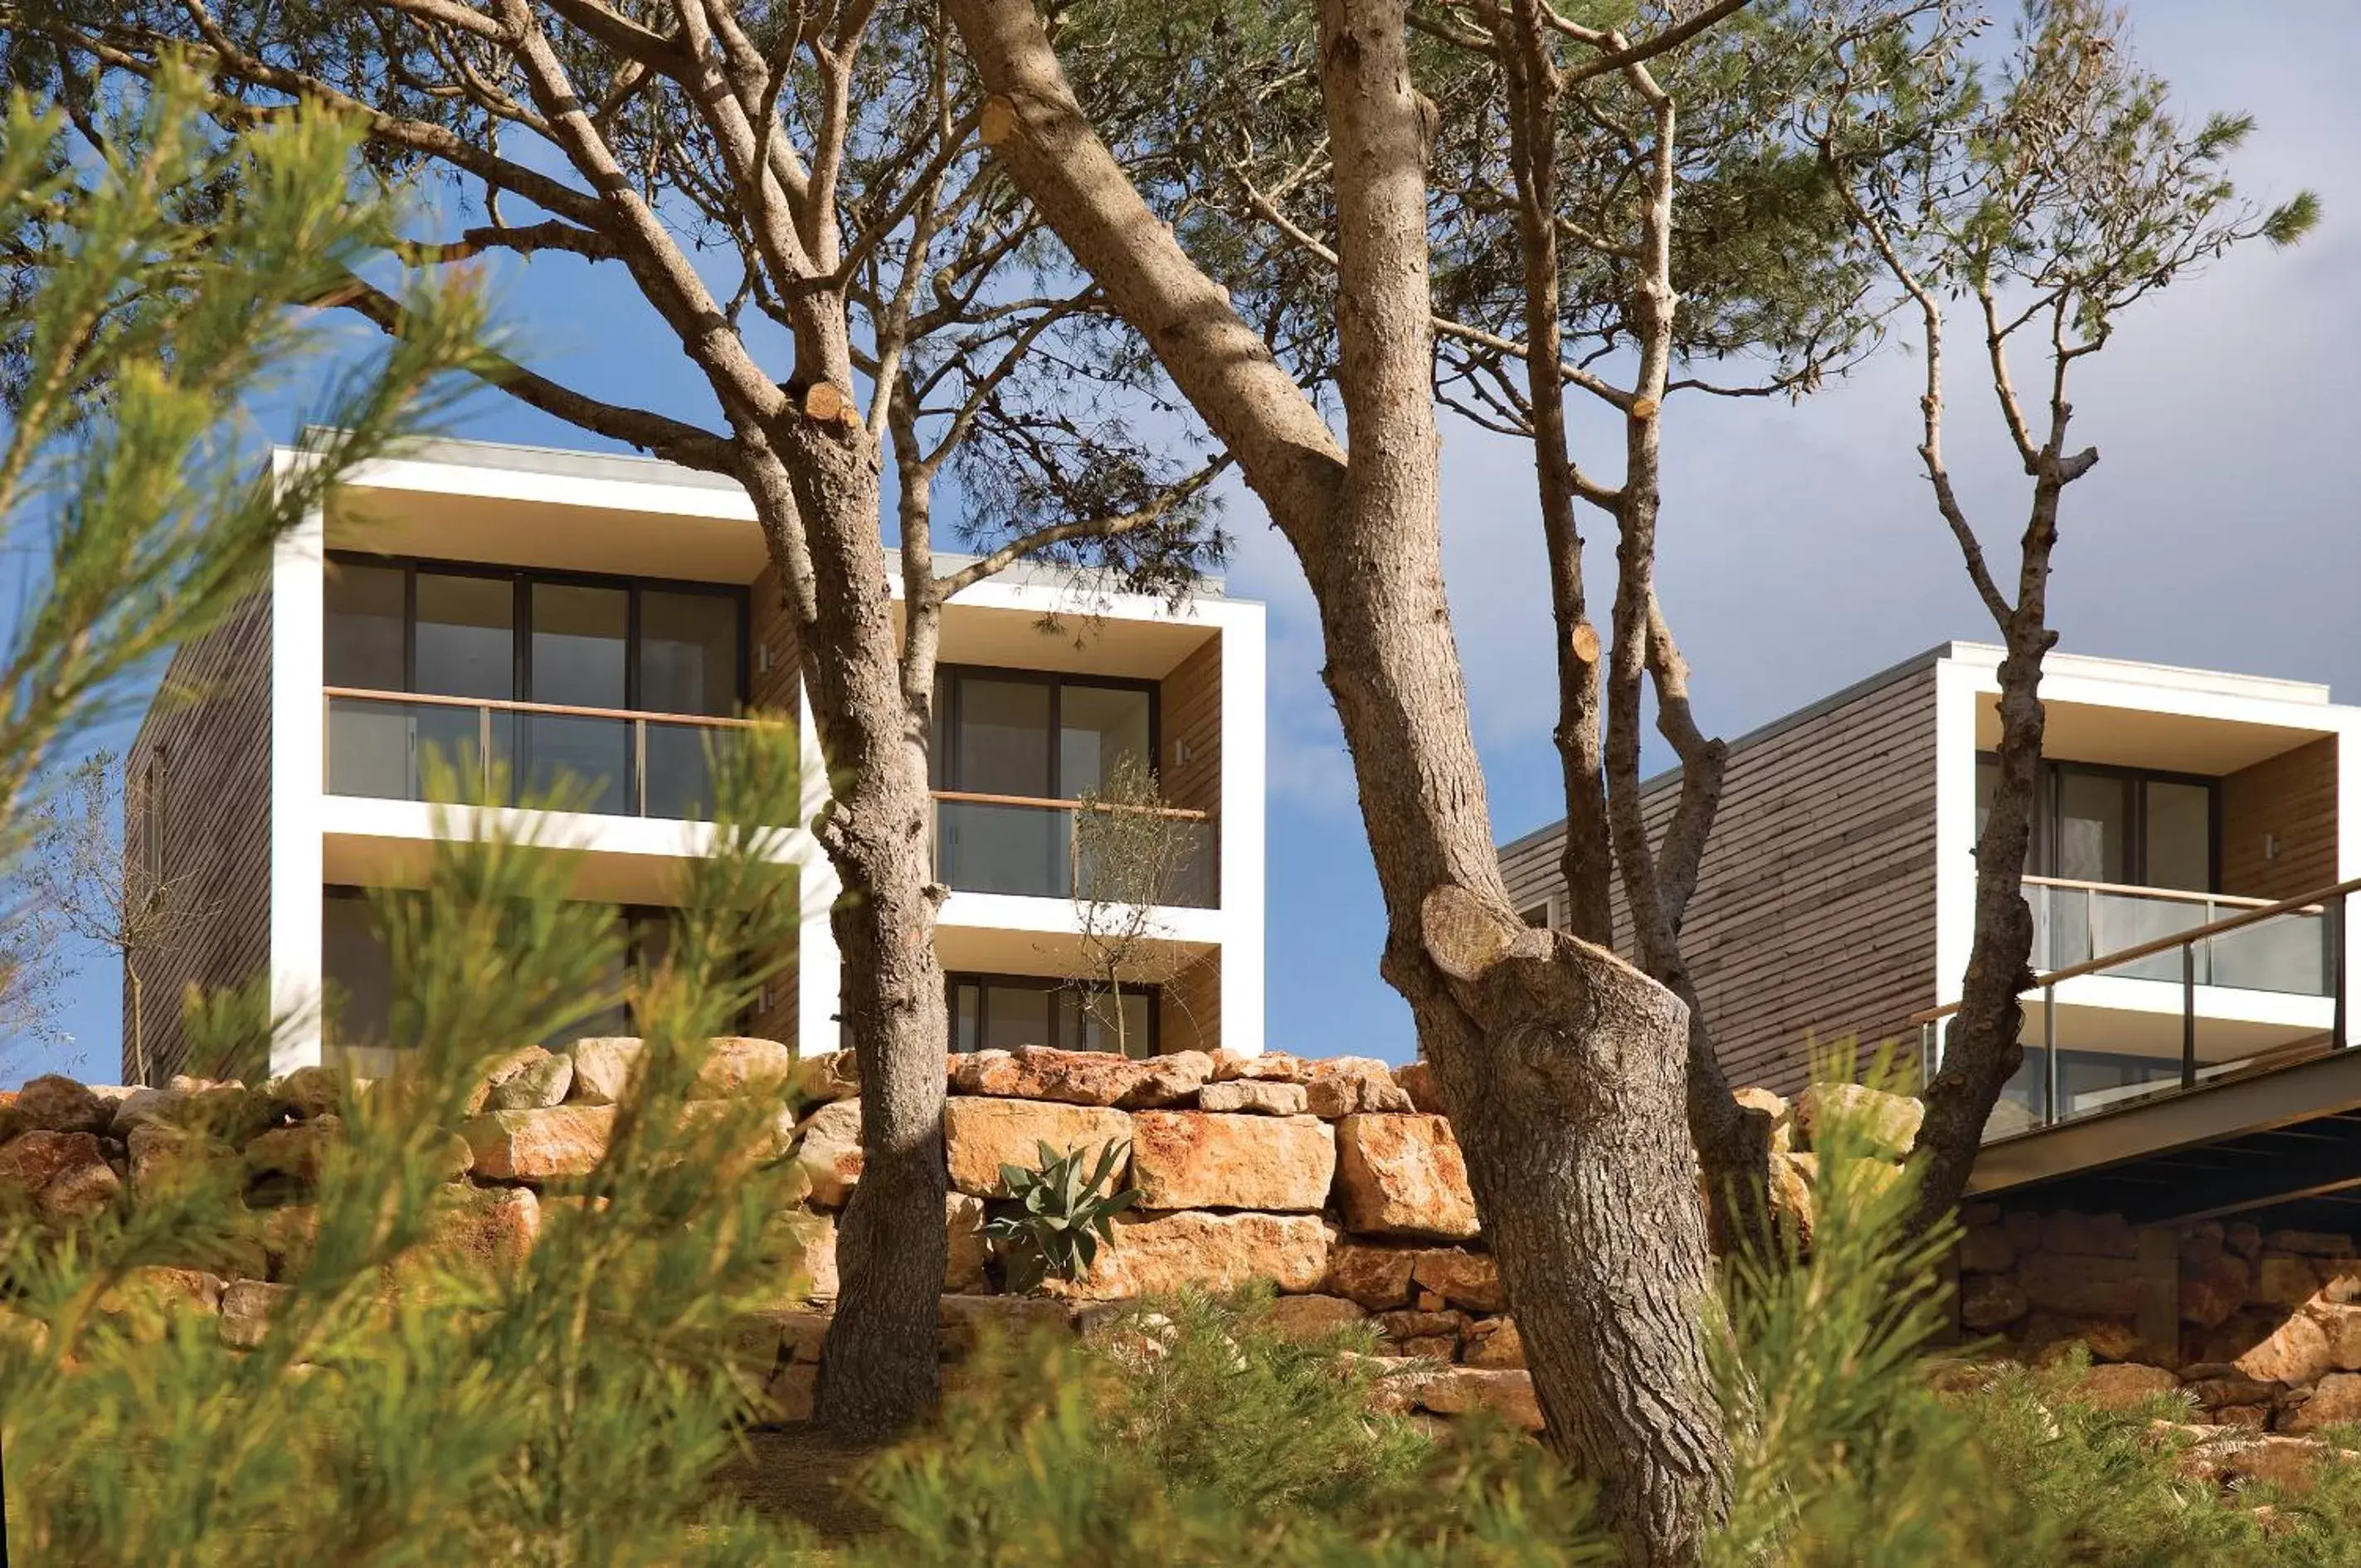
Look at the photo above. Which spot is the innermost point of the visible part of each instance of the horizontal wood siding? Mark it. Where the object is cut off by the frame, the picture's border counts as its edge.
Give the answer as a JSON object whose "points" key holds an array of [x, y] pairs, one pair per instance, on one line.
{"points": [[201, 771], [2279, 823], [1814, 918]]}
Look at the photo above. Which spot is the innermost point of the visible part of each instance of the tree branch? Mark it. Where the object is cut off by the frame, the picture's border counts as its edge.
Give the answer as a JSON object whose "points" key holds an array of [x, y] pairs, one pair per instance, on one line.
{"points": [[1041, 539]]}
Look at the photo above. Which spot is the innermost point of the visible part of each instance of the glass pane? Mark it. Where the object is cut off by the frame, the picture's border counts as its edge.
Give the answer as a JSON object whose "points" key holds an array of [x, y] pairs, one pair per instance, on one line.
{"points": [[1987, 785], [1020, 849], [363, 626], [1015, 1015], [454, 738], [1090, 1017], [467, 636], [2180, 831], [2287, 952], [1096, 725], [966, 1005], [579, 641], [588, 758], [613, 977], [1002, 746], [368, 750], [358, 970], [679, 771], [688, 652], [2125, 920], [2094, 827]]}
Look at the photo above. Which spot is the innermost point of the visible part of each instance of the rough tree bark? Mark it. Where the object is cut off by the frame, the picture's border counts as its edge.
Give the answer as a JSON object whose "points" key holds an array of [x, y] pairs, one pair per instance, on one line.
{"points": [[1564, 1067]]}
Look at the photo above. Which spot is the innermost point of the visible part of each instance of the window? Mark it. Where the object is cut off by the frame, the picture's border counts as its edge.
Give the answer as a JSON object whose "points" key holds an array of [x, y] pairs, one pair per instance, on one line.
{"points": [[151, 824], [1038, 735], [1001, 1012], [555, 639], [2124, 825], [1539, 916]]}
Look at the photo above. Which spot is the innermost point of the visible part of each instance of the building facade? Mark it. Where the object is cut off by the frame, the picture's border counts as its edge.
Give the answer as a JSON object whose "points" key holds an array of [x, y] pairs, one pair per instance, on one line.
{"points": [[543, 615], [1837, 899]]}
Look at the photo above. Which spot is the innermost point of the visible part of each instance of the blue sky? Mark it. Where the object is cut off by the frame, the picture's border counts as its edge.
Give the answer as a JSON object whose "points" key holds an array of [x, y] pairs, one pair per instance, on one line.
{"points": [[1800, 549]]}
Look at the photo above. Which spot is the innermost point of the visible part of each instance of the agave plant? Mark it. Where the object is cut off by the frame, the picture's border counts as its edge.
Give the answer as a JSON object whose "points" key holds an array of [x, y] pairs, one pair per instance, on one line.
{"points": [[1055, 1216]]}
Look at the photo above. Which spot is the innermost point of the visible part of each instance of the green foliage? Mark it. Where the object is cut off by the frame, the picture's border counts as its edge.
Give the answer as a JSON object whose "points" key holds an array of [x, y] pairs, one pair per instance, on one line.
{"points": [[1050, 1225], [1191, 1431], [410, 1405]]}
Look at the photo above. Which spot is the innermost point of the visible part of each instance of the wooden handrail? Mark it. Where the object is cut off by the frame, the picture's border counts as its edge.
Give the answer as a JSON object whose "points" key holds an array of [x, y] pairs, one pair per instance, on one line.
{"points": [[2162, 895], [2302, 902], [555, 709], [970, 797]]}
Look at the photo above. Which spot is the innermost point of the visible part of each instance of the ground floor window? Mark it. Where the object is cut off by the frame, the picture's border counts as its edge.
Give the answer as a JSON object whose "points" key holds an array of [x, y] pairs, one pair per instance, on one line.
{"points": [[359, 988], [1000, 1012]]}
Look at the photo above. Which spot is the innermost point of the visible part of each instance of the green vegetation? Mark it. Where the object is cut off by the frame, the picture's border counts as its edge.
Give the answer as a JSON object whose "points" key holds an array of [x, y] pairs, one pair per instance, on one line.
{"points": [[1055, 1216]]}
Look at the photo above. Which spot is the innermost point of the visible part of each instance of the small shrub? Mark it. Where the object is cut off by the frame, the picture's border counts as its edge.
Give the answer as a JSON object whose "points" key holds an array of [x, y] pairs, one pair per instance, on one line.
{"points": [[1055, 1217]]}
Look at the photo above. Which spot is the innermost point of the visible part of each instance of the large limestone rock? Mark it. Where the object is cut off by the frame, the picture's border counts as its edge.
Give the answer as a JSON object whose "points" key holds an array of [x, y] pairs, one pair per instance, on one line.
{"points": [[1462, 1390], [1270, 1067], [1494, 1343], [1469, 1279], [1990, 1301], [530, 1079], [1254, 1097], [65, 1176], [2335, 1400], [737, 1065], [1417, 1080], [146, 1299], [1402, 1175], [2342, 1324], [298, 1152], [802, 1248], [968, 1319], [1776, 1106], [144, 1107], [246, 1307], [1155, 1254], [2081, 1287], [1371, 1276], [1082, 1078], [829, 1152], [965, 1248], [818, 1080], [2122, 1385], [55, 1103], [2283, 1280], [980, 1135], [2089, 1236], [2297, 1352], [602, 1068], [1193, 1159], [1346, 1086], [1885, 1123], [2213, 1287], [536, 1146], [306, 1092], [488, 1230], [1312, 1317]]}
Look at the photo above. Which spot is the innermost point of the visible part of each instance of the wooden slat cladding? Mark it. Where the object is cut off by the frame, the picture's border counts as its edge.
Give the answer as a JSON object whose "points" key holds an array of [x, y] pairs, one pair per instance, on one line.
{"points": [[1189, 773], [1191, 1005], [201, 766], [2279, 823], [1814, 918]]}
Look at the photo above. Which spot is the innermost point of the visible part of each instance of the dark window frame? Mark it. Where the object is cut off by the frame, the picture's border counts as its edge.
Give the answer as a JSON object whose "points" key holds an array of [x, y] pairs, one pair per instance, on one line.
{"points": [[522, 578], [984, 981], [942, 763], [2049, 801]]}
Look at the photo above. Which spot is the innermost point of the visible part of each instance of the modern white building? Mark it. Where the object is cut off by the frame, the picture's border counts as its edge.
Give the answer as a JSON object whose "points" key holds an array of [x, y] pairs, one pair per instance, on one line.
{"points": [[608, 618], [1837, 899]]}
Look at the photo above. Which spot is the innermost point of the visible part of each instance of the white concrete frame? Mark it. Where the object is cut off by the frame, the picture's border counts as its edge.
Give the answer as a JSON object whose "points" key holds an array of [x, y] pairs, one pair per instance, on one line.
{"points": [[1965, 674], [309, 827]]}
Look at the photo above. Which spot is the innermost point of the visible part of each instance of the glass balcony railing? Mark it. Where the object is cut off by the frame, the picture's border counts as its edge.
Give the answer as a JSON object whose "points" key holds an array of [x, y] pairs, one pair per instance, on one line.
{"points": [[612, 761], [2089, 1051], [989, 843]]}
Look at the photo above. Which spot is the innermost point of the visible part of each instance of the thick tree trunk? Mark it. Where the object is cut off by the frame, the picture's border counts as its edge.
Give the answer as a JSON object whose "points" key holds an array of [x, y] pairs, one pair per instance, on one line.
{"points": [[878, 1368], [1563, 1068]]}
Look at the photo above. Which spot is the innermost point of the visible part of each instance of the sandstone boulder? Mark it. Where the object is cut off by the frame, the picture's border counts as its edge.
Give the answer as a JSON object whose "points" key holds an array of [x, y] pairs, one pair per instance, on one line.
{"points": [[602, 1068], [1311, 1317], [2335, 1400], [737, 1065], [527, 1078], [486, 1230], [2081, 1287], [2283, 1280], [968, 1319], [162, 1156], [1469, 1279], [789, 1395], [536, 1146], [246, 1308], [1494, 1343], [1463, 1390], [2122, 1385], [965, 1249], [1195, 1159], [306, 1092], [2297, 1352], [298, 1152], [829, 1152], [1990, 1301], [1082, 1078], [803, 1249], [1417, 1080], [2341, 1323], [1160, 1254], [1346, 1086], [2214, 1287], [1253, 1096], [1776, 1106], [2312, 1243], [1402, 1175], [1277, 1067], [55, 1103], [145, 1300], [833, 1076], [980, 1135], [61, 1175], [1369, 1275], [143, 1107], [1885, 1123], [1986, 1250], [288, 1234]]}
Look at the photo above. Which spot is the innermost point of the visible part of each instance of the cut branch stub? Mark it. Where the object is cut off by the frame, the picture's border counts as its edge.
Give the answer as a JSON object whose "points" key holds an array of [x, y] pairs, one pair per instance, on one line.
{"points": [[1584, 643], [1463, 935], [828, 403]]}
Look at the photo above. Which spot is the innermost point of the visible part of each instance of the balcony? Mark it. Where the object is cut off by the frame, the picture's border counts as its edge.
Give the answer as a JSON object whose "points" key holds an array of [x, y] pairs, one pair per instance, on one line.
{"points": [[2145, 994], [1026, 846], [615, 762]]}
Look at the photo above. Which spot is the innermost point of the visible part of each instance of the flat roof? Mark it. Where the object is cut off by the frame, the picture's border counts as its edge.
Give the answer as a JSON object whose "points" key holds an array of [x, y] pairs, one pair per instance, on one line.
{"points": [[632, 467]]}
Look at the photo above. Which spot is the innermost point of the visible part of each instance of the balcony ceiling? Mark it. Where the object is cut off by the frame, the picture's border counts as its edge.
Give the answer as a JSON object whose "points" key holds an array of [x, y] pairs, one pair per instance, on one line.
{"points": [[2129, 738], [549, 534]]}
